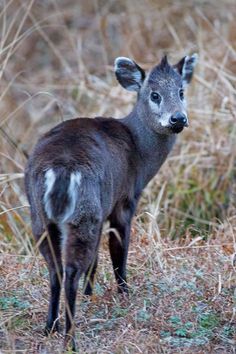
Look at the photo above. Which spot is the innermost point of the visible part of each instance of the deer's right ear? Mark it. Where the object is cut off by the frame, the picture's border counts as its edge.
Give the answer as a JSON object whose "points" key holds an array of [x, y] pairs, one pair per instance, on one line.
{"points": [[185, 67], [129, 74]]}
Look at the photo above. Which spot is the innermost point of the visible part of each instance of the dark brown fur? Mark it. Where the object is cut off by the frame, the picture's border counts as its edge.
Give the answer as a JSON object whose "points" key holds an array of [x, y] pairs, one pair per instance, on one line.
{"points": [[104, 152], [114, 160]]}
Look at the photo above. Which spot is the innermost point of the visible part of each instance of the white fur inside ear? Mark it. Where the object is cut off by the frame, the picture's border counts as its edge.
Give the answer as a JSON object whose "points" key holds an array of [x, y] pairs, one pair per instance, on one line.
{"points": [[189, 64], [128, 74], [121, 60], [188, 67], [195, 58]]}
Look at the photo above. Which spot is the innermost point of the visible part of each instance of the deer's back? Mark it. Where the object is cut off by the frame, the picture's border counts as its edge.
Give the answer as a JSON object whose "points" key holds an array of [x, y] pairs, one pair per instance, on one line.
{"points": [[101, 150]]}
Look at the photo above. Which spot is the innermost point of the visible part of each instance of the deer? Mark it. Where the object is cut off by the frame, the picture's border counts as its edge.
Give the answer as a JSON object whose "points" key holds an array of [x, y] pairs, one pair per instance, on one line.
{"points": [[86, 171]]}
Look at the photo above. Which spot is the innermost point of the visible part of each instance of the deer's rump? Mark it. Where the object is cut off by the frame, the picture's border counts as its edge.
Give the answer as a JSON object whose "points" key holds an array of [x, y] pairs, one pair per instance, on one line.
{"points": [[78, 168]]}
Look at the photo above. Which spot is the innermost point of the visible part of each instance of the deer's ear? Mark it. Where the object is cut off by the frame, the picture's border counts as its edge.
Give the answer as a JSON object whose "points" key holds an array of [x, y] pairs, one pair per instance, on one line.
{"points": [[129, 74], [185, 67]]}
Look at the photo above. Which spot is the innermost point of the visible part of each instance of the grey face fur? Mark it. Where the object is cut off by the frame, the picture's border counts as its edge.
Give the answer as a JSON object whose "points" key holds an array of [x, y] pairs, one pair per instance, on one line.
{"points": [[160, 93]]}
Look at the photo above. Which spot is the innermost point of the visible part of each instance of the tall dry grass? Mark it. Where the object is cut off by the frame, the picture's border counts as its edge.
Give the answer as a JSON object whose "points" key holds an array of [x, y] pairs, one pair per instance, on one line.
{"points": [[57, 63]]}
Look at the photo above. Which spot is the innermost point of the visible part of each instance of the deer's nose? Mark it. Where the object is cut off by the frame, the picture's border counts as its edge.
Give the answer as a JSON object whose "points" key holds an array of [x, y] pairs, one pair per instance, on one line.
{"points": [[179, 119]]}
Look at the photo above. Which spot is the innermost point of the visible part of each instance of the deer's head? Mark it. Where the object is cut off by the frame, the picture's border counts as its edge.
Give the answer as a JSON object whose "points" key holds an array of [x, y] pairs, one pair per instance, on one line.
{"points": [[161, 100]]}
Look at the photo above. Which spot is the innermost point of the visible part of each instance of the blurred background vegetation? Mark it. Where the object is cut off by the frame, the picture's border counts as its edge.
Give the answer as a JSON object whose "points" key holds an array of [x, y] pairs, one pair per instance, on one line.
{"points": [[56, 63]]}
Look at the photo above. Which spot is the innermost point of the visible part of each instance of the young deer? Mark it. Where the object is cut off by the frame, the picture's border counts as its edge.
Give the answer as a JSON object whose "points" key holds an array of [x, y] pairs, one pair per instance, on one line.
{"points": [[85, 171]]}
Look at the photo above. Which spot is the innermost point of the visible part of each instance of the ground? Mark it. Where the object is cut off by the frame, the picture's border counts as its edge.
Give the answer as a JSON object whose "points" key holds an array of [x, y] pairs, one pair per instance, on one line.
{"points": [[57, 63], [181, 299]]}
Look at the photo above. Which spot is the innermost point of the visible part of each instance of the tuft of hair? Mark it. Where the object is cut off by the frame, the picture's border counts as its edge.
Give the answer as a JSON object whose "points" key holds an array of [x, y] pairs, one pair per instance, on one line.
{"points": [[163, 68], [164, 64]]}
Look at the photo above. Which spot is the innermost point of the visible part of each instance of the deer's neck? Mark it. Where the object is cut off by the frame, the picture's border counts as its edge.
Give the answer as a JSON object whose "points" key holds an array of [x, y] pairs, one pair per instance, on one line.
{"points": [[152, 147]]}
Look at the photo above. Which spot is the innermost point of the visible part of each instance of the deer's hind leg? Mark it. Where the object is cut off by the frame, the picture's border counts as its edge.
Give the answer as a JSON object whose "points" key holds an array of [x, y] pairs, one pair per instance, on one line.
{"points": [[80, 253], [49, 246], [90, 275], [51, 250]]}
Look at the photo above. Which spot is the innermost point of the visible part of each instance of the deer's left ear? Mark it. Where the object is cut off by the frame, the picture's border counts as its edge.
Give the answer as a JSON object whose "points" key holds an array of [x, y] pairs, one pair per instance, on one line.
{"points": [[129, 74], [185, 67]]}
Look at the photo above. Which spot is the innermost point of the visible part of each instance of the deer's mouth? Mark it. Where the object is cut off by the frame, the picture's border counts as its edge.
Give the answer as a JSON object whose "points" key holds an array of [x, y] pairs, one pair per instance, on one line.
{"points": [[177, 129]]}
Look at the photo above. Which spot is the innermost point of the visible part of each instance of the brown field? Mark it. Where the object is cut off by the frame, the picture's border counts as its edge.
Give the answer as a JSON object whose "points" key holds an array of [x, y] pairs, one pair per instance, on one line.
{"points": [[57, 63]]}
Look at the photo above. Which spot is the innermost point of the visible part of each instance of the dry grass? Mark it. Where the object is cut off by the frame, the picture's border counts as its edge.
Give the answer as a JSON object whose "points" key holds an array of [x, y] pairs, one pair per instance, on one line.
{"points": [[56, 63]]}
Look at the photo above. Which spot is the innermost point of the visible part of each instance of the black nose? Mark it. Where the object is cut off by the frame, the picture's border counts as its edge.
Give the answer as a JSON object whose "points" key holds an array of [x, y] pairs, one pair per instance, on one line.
{"points": [[178, 119]]}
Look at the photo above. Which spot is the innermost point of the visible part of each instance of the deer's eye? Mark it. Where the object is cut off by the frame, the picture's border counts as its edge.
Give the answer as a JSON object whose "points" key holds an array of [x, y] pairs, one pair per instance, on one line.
{"points": [[155, 97], [181, 94]]}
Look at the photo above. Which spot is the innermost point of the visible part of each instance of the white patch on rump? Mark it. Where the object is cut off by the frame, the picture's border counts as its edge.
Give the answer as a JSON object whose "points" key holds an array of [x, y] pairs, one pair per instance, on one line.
{"points": [[50, 178], [75, 180]]}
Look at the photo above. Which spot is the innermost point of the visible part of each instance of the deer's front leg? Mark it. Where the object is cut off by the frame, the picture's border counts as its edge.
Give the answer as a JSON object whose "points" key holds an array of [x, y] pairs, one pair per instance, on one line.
{"points": [[120, 220]]}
